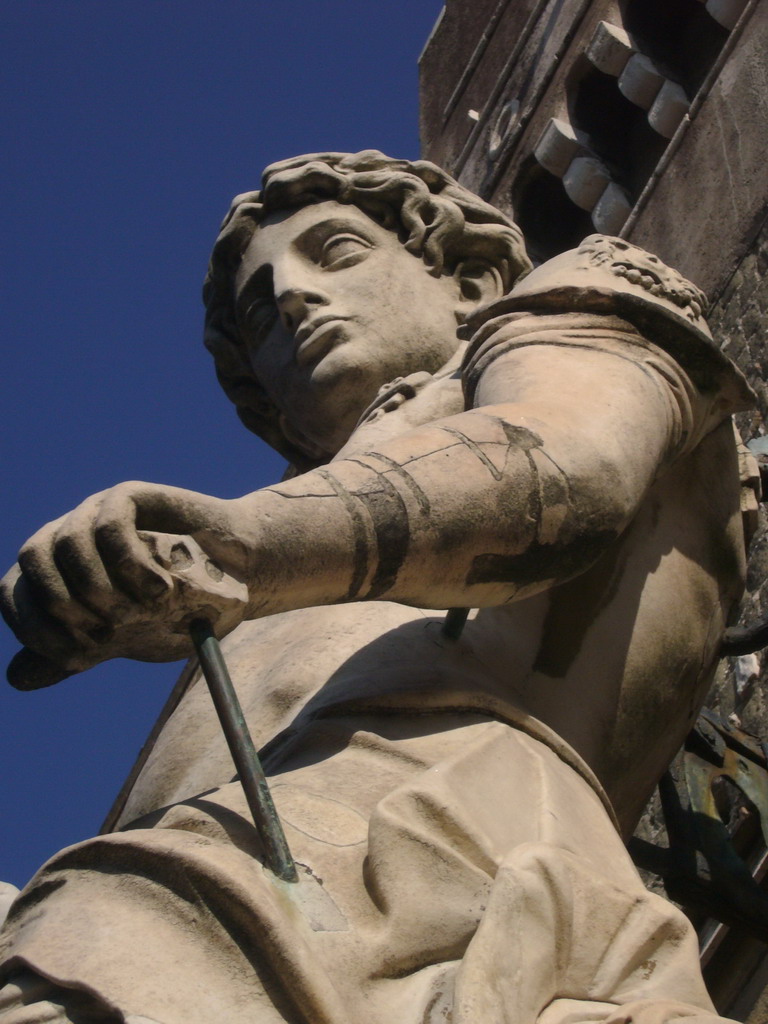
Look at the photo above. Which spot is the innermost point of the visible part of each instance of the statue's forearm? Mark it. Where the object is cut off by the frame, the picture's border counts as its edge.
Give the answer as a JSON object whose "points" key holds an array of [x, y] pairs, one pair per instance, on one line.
{"points": [[473, 510], [519, 493], [406, 522]]}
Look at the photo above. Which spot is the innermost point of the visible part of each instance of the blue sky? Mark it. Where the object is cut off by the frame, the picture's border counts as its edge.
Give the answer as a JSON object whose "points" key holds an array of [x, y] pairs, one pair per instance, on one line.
{"points": [[129, 125]]}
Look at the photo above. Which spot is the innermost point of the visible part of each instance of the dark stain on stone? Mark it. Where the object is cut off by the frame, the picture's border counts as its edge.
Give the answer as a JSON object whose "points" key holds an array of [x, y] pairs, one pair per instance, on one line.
{"points": [[540, 561]]}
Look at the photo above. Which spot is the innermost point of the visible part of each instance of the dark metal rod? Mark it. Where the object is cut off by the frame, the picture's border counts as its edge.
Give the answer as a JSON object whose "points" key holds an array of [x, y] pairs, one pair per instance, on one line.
{"points": [[454, 622], [739, 640], [252, 778]]}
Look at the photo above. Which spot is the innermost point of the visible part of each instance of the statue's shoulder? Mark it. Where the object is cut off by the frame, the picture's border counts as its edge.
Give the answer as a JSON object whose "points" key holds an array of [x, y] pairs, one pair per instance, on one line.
{"points": [[613, 276], [606, 275]]}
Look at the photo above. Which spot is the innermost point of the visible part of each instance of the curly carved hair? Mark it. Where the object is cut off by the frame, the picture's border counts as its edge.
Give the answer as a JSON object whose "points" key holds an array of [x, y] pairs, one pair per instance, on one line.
{"points": [[437, 220]]}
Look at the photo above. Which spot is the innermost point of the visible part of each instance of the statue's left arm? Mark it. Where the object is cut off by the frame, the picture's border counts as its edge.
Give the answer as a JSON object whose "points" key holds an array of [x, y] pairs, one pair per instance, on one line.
{"points": [[571, 418]]}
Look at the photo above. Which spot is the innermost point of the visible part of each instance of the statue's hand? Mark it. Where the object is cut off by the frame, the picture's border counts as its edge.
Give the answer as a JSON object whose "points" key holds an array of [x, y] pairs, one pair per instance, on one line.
{"points": [[123, 575]]}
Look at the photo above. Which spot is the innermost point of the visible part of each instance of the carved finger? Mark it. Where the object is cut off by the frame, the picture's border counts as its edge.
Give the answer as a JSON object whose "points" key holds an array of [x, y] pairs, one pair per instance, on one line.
{"points": [[80, 563], [128, 560], [33, 626], [48, 588]]}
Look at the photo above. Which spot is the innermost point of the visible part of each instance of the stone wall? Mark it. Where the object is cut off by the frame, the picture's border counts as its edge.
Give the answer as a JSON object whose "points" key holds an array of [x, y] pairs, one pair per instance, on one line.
{"points": [[739, 319]]}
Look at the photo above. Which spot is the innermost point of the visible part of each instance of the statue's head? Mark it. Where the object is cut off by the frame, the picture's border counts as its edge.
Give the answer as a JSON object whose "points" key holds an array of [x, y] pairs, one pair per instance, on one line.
{"points": [[345, 271]]}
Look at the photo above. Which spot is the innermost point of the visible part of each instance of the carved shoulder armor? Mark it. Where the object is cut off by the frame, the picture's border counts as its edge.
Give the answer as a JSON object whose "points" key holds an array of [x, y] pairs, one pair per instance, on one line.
{"points": [[611, 276]]}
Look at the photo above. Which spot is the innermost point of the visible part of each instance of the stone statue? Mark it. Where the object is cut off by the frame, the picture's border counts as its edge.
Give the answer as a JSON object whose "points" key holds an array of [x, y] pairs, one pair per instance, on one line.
{"points": [[551, 448]]}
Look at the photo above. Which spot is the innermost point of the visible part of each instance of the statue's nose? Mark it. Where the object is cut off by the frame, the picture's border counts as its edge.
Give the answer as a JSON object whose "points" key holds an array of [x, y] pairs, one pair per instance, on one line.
{"points": [[294, 304]]}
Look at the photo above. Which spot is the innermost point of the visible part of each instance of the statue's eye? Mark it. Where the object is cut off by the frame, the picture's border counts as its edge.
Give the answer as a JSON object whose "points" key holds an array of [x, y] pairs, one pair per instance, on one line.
{"points": [[341, 251]]}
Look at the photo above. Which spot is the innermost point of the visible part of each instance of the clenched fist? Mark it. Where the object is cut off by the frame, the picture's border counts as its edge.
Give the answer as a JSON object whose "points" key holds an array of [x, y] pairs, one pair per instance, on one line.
{"points": [[123, 575]]}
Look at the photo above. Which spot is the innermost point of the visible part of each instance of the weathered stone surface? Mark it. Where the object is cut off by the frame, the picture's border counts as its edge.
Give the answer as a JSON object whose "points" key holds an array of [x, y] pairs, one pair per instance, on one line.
{"points": [[726, 12], [611, 210], [668, 109], [514, 66], [557, 147], [640, 81], [739, 318], [610, 48], [503, 127], [552, 449], [725, 145], [450, 89], [585, 181], [738, 321]]}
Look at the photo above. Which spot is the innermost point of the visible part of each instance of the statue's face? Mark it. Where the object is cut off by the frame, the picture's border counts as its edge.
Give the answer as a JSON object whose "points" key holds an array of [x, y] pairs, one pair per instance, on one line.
{"points": [[331, 307]]}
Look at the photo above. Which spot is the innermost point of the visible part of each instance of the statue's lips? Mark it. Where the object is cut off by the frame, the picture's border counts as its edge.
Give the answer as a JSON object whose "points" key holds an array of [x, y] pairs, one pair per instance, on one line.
{"points": [[315, 338]]}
